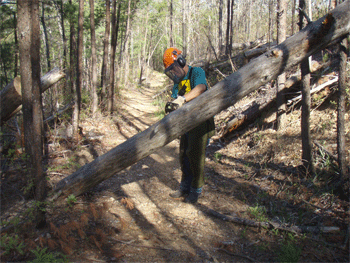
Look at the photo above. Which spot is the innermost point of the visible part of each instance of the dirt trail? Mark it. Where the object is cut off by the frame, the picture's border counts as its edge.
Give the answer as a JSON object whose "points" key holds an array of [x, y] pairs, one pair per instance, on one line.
{"points": [[152, 227], [155, 227]]}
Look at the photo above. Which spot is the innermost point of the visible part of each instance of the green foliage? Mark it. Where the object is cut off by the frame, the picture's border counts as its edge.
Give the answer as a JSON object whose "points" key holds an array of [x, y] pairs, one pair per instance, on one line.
{"points": [[289, 252], [258, 212], [71, 199], [217, 157], [325, 57], [11, 244], [43, 256]]}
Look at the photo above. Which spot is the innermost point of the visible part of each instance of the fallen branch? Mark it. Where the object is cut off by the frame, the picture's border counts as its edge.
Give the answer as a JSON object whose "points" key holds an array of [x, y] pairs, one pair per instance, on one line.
{"points": [[59, 112], [314, 90], [274, 225]]}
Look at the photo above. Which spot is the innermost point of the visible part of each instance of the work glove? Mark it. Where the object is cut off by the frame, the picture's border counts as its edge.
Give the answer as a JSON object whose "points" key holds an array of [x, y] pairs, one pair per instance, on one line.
{"points": [[180, 100]]}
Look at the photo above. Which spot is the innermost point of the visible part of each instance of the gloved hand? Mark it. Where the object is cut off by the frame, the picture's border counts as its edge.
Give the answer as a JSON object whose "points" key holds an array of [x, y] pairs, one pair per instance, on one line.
{"points": [[179, 101]]}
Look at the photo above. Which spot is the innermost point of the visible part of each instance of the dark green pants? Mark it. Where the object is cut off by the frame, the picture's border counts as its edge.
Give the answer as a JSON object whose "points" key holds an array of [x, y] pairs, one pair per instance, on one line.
{"points": [[192, 155]]}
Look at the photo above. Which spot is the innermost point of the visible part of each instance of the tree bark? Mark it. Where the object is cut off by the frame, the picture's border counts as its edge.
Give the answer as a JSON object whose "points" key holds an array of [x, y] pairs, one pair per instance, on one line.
{"points": [[104, 73], [171, 41], [29, 45], [93, 59], [11, 95], [72, 55], [77, 94], [344, 173], [47, 46], [184, 30], [293, 15], [281, 80], [247, 79], [227, 51], [220, 29], [15, 70], [306, 105], [115, 29]]}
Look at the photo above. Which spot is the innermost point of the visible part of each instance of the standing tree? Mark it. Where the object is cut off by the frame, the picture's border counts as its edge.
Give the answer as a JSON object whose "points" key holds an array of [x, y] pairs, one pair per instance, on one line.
{"points": [[306, 103], [115, 28], [228, 23], [47, 44], [104, 76], [293, 15], [77, 95], [341, 115], [184, 35], [220, 28], [29, 48], [281, 36], [72, 54], [93, 59], [171, 38]]}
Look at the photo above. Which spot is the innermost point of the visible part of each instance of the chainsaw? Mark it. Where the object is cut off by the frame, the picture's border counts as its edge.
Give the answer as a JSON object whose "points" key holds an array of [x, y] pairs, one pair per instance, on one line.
{"points": [[170, 106]]}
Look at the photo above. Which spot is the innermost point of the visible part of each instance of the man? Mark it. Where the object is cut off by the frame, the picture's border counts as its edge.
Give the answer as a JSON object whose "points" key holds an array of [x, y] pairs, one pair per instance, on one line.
{"points": [[189, 83]]}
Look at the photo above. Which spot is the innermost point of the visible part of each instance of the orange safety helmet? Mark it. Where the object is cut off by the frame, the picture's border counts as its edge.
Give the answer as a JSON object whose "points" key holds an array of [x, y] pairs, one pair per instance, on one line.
{"points": [[171, 55]]}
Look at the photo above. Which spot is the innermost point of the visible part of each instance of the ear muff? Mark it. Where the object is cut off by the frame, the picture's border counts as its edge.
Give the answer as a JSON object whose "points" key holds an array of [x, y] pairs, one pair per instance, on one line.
{"points": [[181, 60]]}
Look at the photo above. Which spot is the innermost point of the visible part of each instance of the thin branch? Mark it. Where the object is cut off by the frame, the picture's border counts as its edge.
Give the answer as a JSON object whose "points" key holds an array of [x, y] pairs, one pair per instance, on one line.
{"points": [[237, 255]]}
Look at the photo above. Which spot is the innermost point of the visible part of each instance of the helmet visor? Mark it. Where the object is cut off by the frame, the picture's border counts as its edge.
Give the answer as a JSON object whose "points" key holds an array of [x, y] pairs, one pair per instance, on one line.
{"points": [[175, 72]]}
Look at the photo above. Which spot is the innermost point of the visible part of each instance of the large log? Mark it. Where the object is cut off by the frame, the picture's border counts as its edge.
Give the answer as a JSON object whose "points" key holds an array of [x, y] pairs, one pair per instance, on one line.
{"points": [[11, 95], [259, 71], [255, 108]]}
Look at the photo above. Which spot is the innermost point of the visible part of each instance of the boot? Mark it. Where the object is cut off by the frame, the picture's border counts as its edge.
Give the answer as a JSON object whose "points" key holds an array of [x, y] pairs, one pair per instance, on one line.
{"points": [[193, 196], [179, 193]]}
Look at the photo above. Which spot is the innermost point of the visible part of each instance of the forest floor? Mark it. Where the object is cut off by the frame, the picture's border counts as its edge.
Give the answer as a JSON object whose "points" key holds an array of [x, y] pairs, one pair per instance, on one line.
{"points": [[254, 174]]}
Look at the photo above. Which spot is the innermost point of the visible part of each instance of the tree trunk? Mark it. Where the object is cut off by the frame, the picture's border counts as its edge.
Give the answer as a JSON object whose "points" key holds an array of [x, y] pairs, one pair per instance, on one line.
{"points": [[72, 55], [126, 45], [293, 15], [227, 51], [11, 95], [247, 79], [93, 59], [64, 39], [77, 94], [281, 36], [344, 173], [104, 73], [184, 36], [16, 45], [47, 46], [171, 41], [220, 28], [231, 27], [306, 105], [29, 46], [115, 29], [251, 111]]}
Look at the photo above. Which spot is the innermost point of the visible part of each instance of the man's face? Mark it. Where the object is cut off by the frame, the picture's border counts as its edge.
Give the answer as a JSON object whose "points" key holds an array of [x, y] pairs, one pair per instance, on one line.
{"points": [[175, 72]]}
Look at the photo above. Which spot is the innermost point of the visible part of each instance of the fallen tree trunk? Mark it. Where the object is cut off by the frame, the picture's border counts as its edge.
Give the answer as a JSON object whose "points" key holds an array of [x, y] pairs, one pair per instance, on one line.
{"points": [[265, 102], [11, 95], [258, 72]]}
